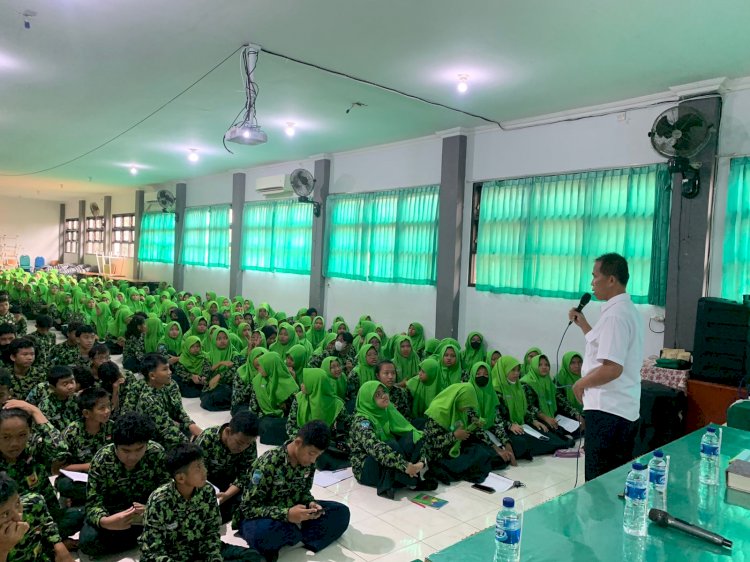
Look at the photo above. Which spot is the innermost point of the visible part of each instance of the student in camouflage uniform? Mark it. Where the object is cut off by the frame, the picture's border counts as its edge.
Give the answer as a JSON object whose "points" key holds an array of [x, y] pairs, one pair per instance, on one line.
{"points": [[121, 477], [124, 389], [20, 321], [160, 400], [83, 438], [229, 451], [344, 351], [6, 386], [27, 532], [7, 336], [217, 392], [6, 316], [385, 372], [274, 389], [278, 509], [135, 344], [243, 394], [44, 340], [86, 337], [58, 404], [67, 352], [26, 375], [193, 369], [182, 521]]}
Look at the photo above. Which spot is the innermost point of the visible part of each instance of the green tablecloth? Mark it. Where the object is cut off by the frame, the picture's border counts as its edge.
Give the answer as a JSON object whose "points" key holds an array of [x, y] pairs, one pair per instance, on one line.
{"points": [[585, 524]]}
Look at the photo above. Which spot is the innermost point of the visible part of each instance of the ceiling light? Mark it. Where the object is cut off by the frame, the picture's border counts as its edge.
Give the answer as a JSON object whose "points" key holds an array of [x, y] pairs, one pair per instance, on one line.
{"points": [[245, 128], [289, 129], [193, 156], [463, 84], [133, 171]]}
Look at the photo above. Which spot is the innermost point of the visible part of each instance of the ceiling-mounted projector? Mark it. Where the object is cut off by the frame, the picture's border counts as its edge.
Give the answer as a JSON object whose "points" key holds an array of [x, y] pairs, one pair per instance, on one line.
{"points": [[245, 134]]}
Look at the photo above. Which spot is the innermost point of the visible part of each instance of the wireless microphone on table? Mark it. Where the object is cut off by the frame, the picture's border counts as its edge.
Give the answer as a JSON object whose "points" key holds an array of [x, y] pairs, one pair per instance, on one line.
{"points": [[664, 519]]}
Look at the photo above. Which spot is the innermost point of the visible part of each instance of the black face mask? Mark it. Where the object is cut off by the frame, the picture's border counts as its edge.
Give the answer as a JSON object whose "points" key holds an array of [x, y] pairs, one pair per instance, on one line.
{"points": [[482, 381], [476, 344]]}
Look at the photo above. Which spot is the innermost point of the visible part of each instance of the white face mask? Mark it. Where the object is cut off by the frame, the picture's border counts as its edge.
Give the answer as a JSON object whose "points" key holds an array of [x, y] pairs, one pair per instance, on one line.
{"points": [[339, 345], [511, 382]]}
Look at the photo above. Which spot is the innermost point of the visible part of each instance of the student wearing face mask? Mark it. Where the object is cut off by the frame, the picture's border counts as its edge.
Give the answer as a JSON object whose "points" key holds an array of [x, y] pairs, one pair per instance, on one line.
{"points": [[343, 351], [474, 351]]}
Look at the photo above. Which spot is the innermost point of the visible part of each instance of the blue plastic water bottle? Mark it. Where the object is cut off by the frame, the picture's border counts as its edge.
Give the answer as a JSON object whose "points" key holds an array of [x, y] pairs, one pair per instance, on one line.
{"points": [[709, 469], [636, 501], [657, 480], [508, 533]]}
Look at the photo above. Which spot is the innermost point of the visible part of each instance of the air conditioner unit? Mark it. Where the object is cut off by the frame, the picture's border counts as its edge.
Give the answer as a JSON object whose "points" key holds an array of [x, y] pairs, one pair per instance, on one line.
{"points": [[274, 186]]}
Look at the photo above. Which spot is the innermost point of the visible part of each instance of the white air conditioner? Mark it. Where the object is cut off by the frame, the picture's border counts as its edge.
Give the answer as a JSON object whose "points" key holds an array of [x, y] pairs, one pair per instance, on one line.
{"points": [[273, 186]]}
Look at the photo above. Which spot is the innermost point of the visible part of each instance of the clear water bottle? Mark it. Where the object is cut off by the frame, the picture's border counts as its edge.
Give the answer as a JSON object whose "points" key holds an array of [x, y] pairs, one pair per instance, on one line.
{"points": [[508, 533], [709, 469], [636, 501], [657, 481]]}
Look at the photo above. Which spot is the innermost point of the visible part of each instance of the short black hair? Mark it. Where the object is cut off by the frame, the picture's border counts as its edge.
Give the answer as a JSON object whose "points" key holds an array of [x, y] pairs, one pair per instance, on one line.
{"points": [[347, 337], [614, 264], [19, 343], [5, 379], [245, 422], [150, 363], [15, 309], [133, 328], [8, 487], [131, 428], [84, 377], [58, 373], [109, 374], [88, 398], [72, 327], [84, 329], [310, 311], [8, 413], [7, 328], [315, 433], [381, 363], [97, 349], [4, 298], [43, 321], [268, 331], [180, 457]]}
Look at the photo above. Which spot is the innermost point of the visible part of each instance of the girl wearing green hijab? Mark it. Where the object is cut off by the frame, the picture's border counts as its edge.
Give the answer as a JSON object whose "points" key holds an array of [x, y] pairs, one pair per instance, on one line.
{"points": [[154, 332], [317, 332], [530, 354], [367, 359], [405, 359], [386, 450], [242, 389], [567, 376], [193, 368], [365, 327], [296, 359], [449, 355], [171, 341], [116, 328], [101, 320], [453, 434], [285, 339], [385, 373], [274, 388], [474, 350], [423, 389], [217, 393], [199, 328], [299, 330], [264, 312], [374, 339], [317, 400], [492, 357], [430, 348], [516, 412], [335, 370]]}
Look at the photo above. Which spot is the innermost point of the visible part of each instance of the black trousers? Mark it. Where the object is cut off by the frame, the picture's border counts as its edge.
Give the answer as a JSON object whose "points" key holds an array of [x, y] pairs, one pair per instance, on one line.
{"points": [[95, 541], [609, 442]]}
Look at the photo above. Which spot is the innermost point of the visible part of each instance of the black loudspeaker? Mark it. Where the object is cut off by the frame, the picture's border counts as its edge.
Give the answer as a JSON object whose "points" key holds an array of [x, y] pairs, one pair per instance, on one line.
{"points": [[721, 348], [662, 417]]}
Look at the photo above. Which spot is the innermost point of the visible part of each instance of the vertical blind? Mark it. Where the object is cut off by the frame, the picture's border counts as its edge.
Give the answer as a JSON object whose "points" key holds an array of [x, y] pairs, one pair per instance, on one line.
{"points": [[736, 260], [387, 236], [205, 238], [157, 238], [540, 235]]}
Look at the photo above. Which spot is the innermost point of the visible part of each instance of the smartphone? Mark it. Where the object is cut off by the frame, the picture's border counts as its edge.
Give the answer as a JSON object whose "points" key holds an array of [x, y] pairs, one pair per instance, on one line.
{"points": [[483, 488]]}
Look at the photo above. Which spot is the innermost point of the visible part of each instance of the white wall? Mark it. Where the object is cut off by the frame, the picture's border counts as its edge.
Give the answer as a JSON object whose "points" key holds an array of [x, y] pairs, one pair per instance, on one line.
{"points": [[36, 222]]}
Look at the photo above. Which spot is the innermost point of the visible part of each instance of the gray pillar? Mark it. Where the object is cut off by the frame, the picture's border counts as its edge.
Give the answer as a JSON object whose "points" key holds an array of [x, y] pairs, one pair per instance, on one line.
{"points": [[107, 250], [61, 237], [689, 238], [451, 210], [317, 279], [238, 211], [81, 228], [139, 206], [178, 272]]}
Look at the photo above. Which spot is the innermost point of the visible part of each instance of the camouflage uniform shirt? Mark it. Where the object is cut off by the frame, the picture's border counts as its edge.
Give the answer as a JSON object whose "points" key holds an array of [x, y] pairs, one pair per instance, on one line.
{"points": [[164, 407], [43, 344], [38, 542], [134, 348], [364, 442], [222, 465], [60, 413], [64, 354], [21, 386], [82, 446], [339, 429]]}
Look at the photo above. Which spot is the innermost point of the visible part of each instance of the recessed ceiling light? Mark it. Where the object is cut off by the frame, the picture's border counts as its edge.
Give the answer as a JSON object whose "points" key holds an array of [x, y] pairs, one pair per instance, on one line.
{"points": [[133, 171], [290, 130], [463, 83], [193, 155]]}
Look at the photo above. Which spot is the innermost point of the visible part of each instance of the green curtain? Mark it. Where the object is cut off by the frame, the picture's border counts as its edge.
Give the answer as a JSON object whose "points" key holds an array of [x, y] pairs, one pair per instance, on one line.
{"points": [[540, 235], [386, 236], [219, 228], [195, 236], [157, 238], [292, 237], [735, 270], [257, 236]]}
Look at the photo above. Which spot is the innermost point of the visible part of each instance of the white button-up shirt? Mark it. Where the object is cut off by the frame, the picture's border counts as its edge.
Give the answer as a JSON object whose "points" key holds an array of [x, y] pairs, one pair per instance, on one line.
{"points": [[616, 337]]}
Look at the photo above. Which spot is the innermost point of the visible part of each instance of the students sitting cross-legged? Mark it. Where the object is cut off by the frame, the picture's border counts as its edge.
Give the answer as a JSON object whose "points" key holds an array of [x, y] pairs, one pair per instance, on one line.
{"points": [[121, 477], [217, 392], [242, 387], [385, 373], [193, 368], [182, 522], [135, 344], [228, 452], [423, 388], [386, 450], [58, 403], [67, 352], [278, 508], [44, 340], [25, 374], [274, 389]]}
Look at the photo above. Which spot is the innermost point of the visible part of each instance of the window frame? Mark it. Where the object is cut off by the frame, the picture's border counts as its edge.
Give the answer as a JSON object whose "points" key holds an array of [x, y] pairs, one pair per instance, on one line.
{"points": [[72, 236], [119, 232]]}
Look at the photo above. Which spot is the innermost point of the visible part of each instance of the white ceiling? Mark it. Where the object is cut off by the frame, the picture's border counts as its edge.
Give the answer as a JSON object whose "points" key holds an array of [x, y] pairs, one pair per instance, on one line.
{"points": [[87, 70]]}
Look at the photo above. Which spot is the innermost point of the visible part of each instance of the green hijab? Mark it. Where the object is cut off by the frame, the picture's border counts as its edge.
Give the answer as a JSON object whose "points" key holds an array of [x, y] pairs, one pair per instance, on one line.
{"points": [[512, 394], [486, 396], [303, 340], [247, 372], [193, 363], [567, 378], [275, 387], [154, 329], [527, 360], [365, 327], [431, 347], [469, 356], [317, 335], [449, 375], [194, 330], [366, 372], [101, 320], [406, 367], [449, 407], [173, 345], [340, 383], [299, 356], [423, 393], [387, 422], [417, 340], [319, 400], [118, 324], [542, 385], [216, 355], [280, 348], [326, 342]]}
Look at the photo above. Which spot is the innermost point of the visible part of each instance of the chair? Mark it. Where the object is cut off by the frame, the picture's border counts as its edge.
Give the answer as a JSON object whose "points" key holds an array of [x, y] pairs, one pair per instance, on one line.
{"points": [[24, 262], [38, 263]]}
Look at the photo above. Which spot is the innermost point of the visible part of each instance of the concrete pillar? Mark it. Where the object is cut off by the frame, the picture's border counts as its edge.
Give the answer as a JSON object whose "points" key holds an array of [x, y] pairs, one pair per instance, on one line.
{"points": [[81, 228], [235, 256], [317, 280], [178, 271], [107, 250], [61, 237], [139, 206]]}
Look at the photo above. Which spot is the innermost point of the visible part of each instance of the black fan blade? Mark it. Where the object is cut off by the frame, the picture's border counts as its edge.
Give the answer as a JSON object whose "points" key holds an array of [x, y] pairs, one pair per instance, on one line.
{"points": [[688, 121], [663, 127]]}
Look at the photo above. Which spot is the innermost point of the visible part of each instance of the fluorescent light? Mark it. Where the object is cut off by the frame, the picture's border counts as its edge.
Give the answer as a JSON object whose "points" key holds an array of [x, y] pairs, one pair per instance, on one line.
{"points": [[133, 171], [290, 130], [193, 156], [463, 84]]}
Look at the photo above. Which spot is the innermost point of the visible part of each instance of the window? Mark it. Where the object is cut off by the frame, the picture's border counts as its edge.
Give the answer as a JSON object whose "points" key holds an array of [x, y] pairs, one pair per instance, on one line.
{"points": [[277, 236], [71, 236], [386, 236], [94, 235], [540, 235], [735, 270], [157, 238], [206, 237], [123, 235]]}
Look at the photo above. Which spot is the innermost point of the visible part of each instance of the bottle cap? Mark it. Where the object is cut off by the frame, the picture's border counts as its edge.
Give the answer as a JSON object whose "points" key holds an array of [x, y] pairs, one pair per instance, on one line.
{"points": [[659, 453], [638, 466], [711, 429], [509, 502]]}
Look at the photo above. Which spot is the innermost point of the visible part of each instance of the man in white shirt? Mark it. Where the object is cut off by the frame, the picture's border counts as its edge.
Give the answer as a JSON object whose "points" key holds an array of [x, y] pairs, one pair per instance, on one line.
{"points": [[610, 388]]}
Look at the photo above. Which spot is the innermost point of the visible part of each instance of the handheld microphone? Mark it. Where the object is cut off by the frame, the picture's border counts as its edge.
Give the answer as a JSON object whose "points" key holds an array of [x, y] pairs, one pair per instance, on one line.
{"points": [[664, 519], [585, 299]]}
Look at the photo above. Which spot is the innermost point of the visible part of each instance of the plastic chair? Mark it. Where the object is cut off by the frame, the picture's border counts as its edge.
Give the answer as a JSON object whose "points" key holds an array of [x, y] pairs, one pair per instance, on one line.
{"points": [[24, 262], [38, 262]]}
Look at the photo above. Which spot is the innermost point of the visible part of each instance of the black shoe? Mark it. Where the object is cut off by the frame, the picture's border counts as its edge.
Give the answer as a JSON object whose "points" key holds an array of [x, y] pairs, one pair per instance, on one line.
{"points": [[390, 493], [426, 485]]}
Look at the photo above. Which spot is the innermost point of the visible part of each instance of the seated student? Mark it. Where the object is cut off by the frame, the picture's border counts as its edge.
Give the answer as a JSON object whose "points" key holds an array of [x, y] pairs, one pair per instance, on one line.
{"points": [[317, 332], [160, 401], [83, 438], [217, 392], [20, 321], [135, 344], [31, 462], [121, 477], [423, 388], [5, 386], [492, 356], [530, 354], [541, 393], [27, 531], [567, 376], [25, 374], [516, 411], [86, 337], [270, 332], [333, 368], [386, 450], [367, 359], [385, 373], [6, 317], [405, 359], [44, 340], [242, 389], [229, 451], [327, 345], [343, 350], [296, 358], [273, 389], [474, 350], [7, 335], [416, 335], [170, 343], [98, 355], [317, 400], [116, 328], [452, 434], [300, 330], [182, 522], [192, 369], [58, 404], [67, 352], [278, 509], [449, 358], [121, 386]]}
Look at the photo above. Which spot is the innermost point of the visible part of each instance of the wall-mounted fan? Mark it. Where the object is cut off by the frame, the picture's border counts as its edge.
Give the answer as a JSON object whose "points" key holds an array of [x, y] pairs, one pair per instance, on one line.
{"points": [[303, 184], [680, 133], [94, 208]]}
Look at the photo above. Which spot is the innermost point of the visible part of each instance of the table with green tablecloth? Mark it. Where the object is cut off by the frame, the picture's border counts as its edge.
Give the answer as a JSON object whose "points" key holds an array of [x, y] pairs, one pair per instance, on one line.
{"points": [[585, 524]]}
